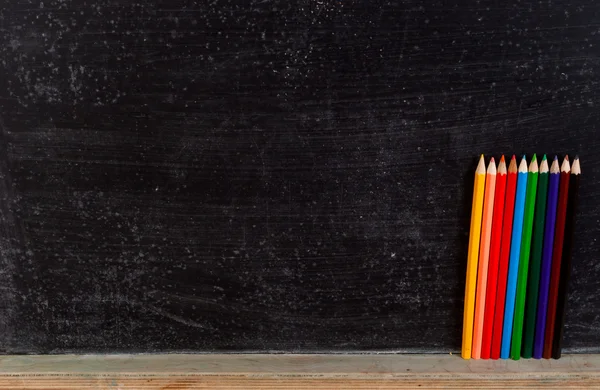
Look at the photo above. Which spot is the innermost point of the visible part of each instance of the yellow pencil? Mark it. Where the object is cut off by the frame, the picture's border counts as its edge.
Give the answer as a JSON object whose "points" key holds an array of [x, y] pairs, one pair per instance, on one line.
{"points": [[472, 259]]}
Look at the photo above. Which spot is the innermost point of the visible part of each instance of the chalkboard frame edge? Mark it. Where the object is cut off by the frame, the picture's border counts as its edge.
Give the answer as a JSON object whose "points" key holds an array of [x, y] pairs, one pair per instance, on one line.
{"points": [[311, 371]]}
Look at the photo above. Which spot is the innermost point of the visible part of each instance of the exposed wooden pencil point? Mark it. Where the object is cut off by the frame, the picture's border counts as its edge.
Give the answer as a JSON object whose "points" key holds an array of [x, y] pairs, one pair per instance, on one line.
{"points": [[491, 167], [481, 166], [576, 169], [523, 165], [566, 167], [512, 168], [533, 166], [544, 165], [502, 167], [555, 168]]}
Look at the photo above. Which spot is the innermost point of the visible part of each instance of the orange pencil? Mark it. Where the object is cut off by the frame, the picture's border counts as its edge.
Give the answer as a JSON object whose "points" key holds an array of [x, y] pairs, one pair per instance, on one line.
{"points": [[484, 256]]}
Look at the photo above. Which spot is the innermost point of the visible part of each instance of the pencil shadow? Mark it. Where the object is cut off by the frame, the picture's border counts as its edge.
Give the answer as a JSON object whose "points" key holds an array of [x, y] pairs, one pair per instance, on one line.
{"points": [[462, 244]]}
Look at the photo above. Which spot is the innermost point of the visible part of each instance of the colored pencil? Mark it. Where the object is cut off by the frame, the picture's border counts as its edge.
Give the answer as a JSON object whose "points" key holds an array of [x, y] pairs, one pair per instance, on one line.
{"points": [[507, 223], [472, 259], [540, 322], [494, 261], [513, 265], [528, 214], [517, 334], [537, 244], [559, 233], [565, 267], [484, 256]]}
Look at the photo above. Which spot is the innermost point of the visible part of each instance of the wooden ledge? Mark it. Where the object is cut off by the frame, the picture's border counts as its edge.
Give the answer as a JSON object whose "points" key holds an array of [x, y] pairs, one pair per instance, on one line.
{"points": [[292, 371]]}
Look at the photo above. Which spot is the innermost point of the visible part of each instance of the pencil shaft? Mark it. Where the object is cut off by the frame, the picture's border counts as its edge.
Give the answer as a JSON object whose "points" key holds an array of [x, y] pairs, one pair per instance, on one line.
{"points": [[513, 265], [517, 334], [546, 266], [507, 223], [534, 266], [494, 262], [471, 279], [559, 232], [565, 267], [484, 252]]}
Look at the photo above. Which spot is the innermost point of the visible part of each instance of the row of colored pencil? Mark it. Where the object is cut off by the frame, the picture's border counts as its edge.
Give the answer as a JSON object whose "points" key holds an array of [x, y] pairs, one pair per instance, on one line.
{"points": [[519, 259]]}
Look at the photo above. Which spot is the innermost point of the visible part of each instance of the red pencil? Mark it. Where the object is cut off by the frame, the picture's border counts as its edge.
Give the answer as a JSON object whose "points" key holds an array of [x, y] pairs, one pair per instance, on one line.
{"points": [[494, 261], [509, 208], [559, 235]]}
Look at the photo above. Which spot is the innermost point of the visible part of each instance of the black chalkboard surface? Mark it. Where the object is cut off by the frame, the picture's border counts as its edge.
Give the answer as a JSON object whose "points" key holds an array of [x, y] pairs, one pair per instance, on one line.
{"points": [[274, 175]]}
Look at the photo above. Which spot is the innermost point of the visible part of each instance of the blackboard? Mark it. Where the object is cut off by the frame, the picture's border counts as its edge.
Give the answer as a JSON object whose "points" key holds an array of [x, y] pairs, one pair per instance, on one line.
{"points": [[274, 175]]}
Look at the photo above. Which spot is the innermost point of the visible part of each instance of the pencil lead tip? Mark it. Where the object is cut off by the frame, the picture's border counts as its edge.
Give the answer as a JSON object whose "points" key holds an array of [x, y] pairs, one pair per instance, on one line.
{"points": [[544, 158], [524, 157], [576, 157], [492, 160], [514, 157], [502, 159], [555, 168], [567, 157], [555, 157], [534, 158], [576, 169]]}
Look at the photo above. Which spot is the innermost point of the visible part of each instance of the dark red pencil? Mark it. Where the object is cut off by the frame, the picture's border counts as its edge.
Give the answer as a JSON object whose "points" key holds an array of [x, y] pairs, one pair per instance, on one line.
{"points": [[494, 261], [565, 266], [509, 208], [559, 235]]}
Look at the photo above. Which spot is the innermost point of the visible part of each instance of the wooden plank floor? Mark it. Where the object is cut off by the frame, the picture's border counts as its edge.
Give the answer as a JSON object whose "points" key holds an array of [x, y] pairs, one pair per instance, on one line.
{"points": [[313, 372]]}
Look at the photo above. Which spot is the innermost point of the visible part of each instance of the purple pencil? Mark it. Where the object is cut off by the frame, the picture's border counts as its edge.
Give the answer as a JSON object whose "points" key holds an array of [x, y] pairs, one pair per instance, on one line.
{"points": [[540, 324]]}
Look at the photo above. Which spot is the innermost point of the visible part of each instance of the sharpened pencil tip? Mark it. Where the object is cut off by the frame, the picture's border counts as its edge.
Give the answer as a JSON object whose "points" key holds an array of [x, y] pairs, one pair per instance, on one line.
{"points": [[492, 160], [544, 165], [533, 165], [555, 157], [502, 159], [567, 157], [523, 166], [566, 167], [555, 168], [576, 169], [534, 158], [524, 157], [480, 166], [512, 167], [576, 157], [514, 157]]}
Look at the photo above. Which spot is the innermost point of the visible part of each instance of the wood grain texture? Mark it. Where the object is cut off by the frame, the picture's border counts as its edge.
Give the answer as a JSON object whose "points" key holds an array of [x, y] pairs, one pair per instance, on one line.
{"points": [[300, 383], [292, 371], [244, 175]]}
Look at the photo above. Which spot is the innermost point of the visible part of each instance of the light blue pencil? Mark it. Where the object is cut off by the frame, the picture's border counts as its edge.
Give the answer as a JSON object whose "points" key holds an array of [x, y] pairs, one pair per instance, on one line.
{"points": [[513, 264]]}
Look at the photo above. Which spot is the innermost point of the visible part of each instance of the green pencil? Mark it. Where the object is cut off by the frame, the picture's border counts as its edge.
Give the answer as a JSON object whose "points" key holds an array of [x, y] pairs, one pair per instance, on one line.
{"points": [[535, 262], [517, 333]]}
